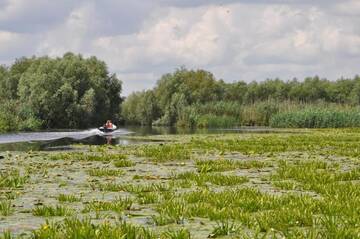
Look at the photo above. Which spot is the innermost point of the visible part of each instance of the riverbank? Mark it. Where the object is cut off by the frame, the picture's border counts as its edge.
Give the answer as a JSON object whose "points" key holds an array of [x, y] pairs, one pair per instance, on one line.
{"points": [[301, 184]]}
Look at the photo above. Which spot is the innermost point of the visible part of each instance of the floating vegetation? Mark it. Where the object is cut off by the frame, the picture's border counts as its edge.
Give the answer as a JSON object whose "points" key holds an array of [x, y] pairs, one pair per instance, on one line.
{"points": [[118, 205], [51, 211], [77, 228], [76, 156], [165, 152], [224, 228], [119, 163], [105, 172], [217, 179], [182, 233], [220, 165], [6, 208], [12, 179], [289, 185], [68, 198], [134, 188], [148, 197]]}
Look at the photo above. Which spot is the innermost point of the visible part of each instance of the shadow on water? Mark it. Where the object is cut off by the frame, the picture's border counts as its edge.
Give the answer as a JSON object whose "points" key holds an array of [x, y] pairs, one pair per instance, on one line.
{"points": [[62, 140], [65, 143]]}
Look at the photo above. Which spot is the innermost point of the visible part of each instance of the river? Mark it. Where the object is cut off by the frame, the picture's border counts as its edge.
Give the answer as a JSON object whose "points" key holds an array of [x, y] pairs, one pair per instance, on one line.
{"points": [[63, 139]]}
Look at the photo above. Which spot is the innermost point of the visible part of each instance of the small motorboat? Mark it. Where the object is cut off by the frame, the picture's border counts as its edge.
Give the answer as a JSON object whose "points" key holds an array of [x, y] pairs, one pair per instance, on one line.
{"points": [[107, 130]]}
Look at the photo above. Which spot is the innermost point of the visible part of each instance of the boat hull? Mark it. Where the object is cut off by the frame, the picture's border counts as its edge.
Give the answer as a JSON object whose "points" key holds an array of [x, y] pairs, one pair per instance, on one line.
{"points": [[105, 130]]}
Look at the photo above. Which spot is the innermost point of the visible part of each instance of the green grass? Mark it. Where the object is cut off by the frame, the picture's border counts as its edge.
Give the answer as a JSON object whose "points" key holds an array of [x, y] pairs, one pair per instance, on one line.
{"points": [[217, 179], [148, 197], [119, 163], [6, 208], [12, 179], [7, 235], [134, 188], [77, 228], [165, 152], [68, 198], [100, 157], [118, 205], [182, 233], [105, 172], [220, 165], [224, 228], [326, 142], [297, 185], [51, 211]]}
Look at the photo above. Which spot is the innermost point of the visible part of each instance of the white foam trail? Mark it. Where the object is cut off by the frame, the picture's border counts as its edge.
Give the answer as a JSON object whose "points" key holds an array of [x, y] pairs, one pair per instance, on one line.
{"points": [[45, 136]]}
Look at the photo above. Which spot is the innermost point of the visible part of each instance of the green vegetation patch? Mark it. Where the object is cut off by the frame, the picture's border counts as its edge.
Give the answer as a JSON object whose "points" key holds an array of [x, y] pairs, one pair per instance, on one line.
{"points": [[217, 179], [105, 172], [6, 208], [119, 163], [117, 205], [68, 198], [52, 211], [165, 152], [220, 165], [84, 228], [12, 179], [290, 185], [317, 118], [77, 156]]}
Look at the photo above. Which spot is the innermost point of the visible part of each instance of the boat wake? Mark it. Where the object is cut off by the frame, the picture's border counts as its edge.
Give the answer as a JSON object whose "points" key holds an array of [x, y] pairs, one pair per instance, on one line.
{"points": [[47, 136]]}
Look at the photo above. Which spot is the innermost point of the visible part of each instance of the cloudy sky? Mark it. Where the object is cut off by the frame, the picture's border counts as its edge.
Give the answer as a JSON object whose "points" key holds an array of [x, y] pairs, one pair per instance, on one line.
{"points": [[235, 39]]}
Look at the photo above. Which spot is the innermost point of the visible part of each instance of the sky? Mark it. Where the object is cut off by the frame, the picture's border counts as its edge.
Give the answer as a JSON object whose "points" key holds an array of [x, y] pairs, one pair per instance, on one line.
{"points": [[141, 40]]}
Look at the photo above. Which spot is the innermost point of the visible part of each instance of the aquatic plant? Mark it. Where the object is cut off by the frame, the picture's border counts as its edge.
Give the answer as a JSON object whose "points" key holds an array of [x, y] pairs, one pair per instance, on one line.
{"points": [[217, 179], [119, 163], [134, 188], [51, 211], [84, 228], [68, 198], [104, 172], [117, 205], [220, 165], [182, 233], [148, 197], [165, 152], [12, 179], [6, 208], [224, 228], [81, 156], [174, 210], [7, 235]]}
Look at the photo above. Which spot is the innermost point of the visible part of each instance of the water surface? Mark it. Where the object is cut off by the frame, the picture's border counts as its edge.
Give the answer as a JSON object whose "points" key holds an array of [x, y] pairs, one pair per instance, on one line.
{"points": [[63, 139]]}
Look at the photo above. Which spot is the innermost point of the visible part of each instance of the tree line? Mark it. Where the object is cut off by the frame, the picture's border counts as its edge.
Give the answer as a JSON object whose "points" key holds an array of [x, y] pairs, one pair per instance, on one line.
{"points": [[65, 92], [76, 92], [196, 98]]}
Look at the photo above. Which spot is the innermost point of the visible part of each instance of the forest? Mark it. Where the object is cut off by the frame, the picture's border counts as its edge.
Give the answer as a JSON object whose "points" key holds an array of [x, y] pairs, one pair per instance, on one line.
{"points": [[75, 92], [195, 98], [65, 92]]}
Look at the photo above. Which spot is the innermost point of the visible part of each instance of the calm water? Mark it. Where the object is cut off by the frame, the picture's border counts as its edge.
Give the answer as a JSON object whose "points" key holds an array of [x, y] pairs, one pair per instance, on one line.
{"points": [[62, 140]]}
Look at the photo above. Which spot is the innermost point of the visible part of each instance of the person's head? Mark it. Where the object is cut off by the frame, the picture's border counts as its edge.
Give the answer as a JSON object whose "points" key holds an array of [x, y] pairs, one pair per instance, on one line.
{"points": [[108, 121]]}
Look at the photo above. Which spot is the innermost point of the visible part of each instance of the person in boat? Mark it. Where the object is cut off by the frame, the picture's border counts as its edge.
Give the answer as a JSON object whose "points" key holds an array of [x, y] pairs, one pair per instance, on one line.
{"points": [[108, 124]]}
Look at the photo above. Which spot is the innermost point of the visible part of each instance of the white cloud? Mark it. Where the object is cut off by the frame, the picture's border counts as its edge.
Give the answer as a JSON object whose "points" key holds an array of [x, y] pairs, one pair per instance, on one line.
{"points": [[247, 40], [13, 43]]}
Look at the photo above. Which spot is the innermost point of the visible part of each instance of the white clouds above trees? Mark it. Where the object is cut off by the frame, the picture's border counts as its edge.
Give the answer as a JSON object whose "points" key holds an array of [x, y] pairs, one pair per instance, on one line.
{"points": [[237, 40]]}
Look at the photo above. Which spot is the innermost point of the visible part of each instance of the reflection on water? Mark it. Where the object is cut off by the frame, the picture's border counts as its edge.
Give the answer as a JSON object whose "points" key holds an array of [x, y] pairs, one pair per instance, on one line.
{"points": [[62, 140]]}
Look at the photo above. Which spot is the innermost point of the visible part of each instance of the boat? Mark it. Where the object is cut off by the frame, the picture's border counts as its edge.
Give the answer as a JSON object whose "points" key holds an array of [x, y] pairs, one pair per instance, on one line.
{"points": [[107, 130]]}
